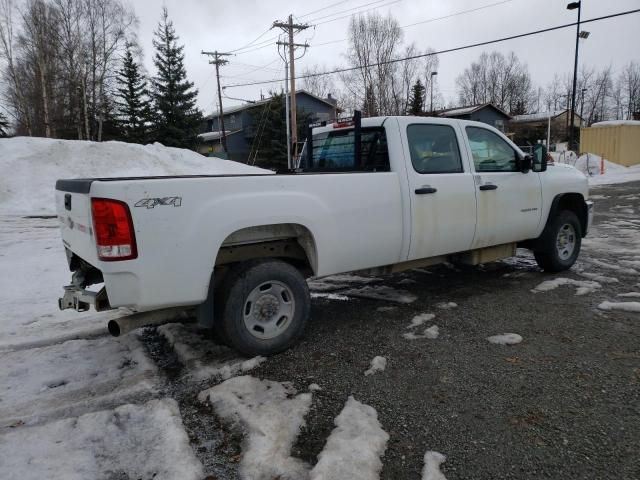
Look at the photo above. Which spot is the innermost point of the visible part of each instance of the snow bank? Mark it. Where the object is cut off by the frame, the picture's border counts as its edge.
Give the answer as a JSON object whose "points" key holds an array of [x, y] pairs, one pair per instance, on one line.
{"points": [[505, 339], [72, 377], [590, 164], [431, 469], [622, 306], [583, 287], [354, 448], [202, 357], [133, 441], [271, 416], [36, 163], [378, 364]]}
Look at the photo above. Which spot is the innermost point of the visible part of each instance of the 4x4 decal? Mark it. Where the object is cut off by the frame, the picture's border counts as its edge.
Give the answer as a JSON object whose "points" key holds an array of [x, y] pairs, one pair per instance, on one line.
{"points": [[152, 202]]}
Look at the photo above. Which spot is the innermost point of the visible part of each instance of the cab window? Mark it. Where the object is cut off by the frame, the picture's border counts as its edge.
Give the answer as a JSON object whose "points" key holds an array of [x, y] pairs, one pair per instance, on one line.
{"points": [[491, 153], [434, 149], [334, 151]]}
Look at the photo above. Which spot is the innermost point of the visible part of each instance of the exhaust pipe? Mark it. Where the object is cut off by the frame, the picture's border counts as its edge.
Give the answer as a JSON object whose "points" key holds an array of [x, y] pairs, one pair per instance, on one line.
{"points": [[120, 326]]}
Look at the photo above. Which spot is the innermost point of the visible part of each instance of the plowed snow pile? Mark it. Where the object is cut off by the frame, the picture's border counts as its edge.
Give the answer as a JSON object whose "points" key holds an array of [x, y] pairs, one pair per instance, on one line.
{"points": [[31, 166]]}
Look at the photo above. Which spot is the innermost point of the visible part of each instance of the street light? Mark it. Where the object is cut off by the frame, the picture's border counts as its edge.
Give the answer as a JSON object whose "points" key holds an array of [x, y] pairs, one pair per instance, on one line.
{"points": [[573, 6], [582, 105], [433, 74]]}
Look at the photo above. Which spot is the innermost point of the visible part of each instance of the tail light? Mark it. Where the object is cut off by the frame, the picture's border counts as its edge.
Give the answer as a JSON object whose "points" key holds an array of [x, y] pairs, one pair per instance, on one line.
{"points": [[113, 229]]}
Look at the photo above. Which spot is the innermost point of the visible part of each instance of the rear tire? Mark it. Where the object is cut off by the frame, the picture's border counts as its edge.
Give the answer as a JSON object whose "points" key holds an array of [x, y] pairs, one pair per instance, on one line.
{"points": [[262, 307], [559, 245]]}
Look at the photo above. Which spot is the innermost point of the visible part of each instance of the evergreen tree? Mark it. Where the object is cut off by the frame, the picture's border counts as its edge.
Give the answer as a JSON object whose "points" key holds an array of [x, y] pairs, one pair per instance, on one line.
{"points": [[4, 126], [133, 104], [269, 145], [416, 101], [177, 118]]}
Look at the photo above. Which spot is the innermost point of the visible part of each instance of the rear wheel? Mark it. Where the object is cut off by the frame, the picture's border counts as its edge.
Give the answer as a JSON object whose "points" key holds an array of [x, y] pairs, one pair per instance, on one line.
{"points": [[262, 307], [559, 245]]}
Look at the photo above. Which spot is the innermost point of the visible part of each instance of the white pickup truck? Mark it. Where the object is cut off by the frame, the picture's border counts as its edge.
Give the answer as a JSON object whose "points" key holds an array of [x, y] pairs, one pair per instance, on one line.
{"points": [[379, 196]]}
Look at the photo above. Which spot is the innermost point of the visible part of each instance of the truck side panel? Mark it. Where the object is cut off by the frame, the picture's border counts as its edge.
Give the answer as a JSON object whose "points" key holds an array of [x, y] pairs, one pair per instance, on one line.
{"points": [[355, 219]]}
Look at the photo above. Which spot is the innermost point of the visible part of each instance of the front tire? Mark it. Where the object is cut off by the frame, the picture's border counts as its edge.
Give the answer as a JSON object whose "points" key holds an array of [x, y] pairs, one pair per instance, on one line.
{"points": [[263, 307], [559, 245]]}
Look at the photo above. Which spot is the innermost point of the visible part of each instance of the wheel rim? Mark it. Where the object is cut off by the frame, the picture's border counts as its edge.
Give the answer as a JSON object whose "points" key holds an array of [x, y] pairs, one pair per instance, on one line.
{"points": [[268, 310], [566, 241]]}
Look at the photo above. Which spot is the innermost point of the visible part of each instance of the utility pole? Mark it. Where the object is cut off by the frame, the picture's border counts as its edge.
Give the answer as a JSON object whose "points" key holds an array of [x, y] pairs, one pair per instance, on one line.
{"points": [[217, 61], [574, 6], [292, 28]]}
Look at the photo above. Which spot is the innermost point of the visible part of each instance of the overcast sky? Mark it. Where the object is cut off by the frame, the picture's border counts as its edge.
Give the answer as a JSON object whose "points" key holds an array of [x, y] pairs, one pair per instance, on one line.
{"points": [[225, 25]]}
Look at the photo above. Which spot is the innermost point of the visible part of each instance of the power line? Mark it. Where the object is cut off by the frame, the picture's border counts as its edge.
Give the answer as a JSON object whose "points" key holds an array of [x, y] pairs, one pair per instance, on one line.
{"points": [[449, 50], [355, 13], [429, 20], [323, 8], [252, 42], [313, 20]]}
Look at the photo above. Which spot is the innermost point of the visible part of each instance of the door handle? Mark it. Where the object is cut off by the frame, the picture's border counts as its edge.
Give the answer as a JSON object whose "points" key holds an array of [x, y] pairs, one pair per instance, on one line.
{"points": [[489, 186], [425, 190]]}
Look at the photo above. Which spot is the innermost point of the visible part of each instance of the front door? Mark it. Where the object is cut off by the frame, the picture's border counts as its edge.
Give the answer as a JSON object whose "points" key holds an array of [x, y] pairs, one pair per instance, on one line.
{"points": [[443, 202], [509, 201]]}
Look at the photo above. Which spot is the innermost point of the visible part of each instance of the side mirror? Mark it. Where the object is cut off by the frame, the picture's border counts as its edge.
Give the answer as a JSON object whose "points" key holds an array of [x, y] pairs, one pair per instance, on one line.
{"points": [[539, 158], [526, 164]]}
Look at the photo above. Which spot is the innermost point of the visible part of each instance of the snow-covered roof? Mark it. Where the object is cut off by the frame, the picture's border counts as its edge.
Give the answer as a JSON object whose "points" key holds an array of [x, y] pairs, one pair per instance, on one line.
{"points": [[458, 111], [211, 136], [537, 117], [613, 123]]}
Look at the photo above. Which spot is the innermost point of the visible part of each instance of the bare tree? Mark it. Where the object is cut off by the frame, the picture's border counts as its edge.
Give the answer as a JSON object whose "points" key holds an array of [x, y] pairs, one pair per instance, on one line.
{"points": [[498, 79], [319, 85]]}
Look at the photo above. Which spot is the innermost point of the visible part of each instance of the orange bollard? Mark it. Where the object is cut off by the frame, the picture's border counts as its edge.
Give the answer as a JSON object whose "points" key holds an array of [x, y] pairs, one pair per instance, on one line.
{"points": [[601, 165]]}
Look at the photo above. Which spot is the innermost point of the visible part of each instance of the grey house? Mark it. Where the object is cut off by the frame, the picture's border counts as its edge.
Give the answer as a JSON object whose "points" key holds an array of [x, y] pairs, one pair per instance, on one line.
{"points": [[240, 124], [485, 112]]}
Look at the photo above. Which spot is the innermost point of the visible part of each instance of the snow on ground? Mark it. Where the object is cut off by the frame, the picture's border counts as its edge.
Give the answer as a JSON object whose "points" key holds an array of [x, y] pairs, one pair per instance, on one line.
{"points": [[431, 469], [378, 364], [33, 270], [382, 292], [202, 357], [354, 448], [71, 378], [329, 296], [598, 278], [431, 333], [270, 415], [314, 387], [621, 306], [629, 294], [447, 305], [421, 319], [582, 287], [505, 339], [611, 266], [36, 163], [133, 441]]}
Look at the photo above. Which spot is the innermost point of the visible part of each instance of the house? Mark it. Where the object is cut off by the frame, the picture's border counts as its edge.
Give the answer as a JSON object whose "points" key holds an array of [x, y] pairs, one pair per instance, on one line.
{"points": [[618, 141], [531, 128], [485, 112], [240, 124]]}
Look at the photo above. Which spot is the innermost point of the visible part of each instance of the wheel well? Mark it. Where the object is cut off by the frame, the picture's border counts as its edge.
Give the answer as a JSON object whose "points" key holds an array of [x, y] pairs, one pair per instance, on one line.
{"points": [[575, 203], [290, 242]]}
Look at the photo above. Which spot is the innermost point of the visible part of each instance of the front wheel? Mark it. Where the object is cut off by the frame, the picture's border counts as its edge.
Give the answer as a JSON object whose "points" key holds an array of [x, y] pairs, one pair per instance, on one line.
{"points": [[263, 307], [559, 245]]}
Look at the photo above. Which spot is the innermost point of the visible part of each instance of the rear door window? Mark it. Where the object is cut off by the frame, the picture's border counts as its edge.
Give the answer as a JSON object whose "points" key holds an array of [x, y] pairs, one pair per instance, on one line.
{"points": [[434, 149]]}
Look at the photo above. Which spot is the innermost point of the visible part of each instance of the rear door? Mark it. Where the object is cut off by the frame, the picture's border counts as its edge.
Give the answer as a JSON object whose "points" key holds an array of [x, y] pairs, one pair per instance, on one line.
{"points": [[443, 202], [509, 201]]}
